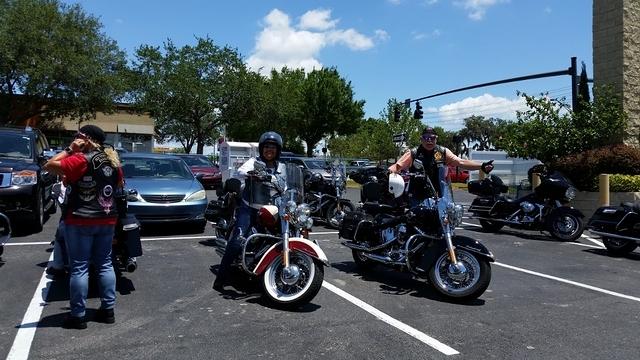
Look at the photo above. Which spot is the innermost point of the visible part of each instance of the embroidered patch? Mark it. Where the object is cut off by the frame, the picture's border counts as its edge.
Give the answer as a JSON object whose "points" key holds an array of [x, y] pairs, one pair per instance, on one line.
{"points": [[107, 171], [106, 204], [107, 191], [437, 155]]}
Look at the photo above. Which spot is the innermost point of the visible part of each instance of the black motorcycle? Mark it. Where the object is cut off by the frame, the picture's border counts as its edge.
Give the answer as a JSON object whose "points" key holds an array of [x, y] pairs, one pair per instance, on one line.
{"points": [[421, 240], [326, 197], [375, 183], [619, 227], [221, 211], [546, 208], [5, 231]]}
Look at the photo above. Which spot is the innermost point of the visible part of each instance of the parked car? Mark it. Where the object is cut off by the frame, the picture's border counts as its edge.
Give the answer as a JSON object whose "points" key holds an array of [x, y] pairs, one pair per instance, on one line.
{"points": [[25, 188], [162, 189], [200, 164], [312, 165], [458, 175], [354, 165]]}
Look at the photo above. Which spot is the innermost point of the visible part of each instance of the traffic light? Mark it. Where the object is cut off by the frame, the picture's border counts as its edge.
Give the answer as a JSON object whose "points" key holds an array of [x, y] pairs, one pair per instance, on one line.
{"points": [[396, 113], [418, 113]]}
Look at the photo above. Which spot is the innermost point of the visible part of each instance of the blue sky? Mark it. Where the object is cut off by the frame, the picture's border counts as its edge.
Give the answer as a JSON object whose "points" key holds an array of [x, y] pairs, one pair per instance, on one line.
{"points": [[386, 48]]}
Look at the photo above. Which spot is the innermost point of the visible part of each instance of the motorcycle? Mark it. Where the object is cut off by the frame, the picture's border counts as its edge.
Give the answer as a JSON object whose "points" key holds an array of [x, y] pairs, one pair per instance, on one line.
{"points": [[5, 231], [325, 199], [618, 226], [546, 208], [374, 181], [421, 240], [221, 211], [290, 268]]}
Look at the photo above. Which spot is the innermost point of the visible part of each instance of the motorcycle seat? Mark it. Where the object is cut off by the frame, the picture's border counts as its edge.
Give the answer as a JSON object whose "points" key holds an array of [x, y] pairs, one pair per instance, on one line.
{"points": [[376, 208], [507, 199]]}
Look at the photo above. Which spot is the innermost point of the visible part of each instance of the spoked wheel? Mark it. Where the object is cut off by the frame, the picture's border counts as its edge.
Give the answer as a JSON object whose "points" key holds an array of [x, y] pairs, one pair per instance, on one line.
{"points": [[466, 282], [566, 226], [619, 247], [335, 216], [297, 287], [362, 262], [491, 226]]}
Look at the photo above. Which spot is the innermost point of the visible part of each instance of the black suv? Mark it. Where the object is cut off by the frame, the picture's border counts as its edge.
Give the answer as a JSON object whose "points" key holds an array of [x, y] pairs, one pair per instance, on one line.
{"points": [[25, 188]]}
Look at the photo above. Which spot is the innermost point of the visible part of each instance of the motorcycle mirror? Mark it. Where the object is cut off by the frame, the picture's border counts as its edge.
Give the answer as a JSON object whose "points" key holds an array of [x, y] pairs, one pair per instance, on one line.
{"points": [[418, 164]]}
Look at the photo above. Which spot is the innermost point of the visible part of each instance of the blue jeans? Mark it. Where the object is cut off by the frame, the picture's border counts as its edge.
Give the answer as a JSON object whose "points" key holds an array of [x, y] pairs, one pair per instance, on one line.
{"points": [[90, 244], [245, 216], [60, 257]]}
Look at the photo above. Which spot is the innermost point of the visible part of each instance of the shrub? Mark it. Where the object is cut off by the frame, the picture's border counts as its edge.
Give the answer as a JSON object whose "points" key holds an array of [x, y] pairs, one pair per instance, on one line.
{"points": [[583, 168], [624, 183]]}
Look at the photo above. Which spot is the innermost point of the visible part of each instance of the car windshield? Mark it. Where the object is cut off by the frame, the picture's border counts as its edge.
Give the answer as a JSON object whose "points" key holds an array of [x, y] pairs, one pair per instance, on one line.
{"points": [[197, 161], [316, 164], [156, 168], [15, 146]]}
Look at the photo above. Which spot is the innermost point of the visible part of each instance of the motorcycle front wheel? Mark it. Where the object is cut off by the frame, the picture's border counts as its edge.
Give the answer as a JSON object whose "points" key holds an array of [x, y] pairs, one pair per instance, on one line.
{"points": [[334, 216], [566, 226], [619, 247], [283, 293], [467, 285]]}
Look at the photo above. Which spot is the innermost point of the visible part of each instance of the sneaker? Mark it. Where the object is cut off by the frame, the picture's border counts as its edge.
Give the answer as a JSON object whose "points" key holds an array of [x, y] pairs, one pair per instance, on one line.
{"points": [[105, 316], [219, 285], [74, 322], [55, 272]]}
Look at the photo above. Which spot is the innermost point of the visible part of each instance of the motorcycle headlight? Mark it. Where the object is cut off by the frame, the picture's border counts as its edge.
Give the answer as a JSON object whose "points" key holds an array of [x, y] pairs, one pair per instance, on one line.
{"points": [[570, 193], [303, 213], [25, 177], [309, 223], [198, 195], [455, 213], [291, 207]]}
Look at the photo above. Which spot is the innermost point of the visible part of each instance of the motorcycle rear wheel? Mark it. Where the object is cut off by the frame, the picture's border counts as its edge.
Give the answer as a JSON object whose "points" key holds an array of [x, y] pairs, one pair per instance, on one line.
{"points": [[619, 247], [299, 293], [471, 286], [362, 263]]}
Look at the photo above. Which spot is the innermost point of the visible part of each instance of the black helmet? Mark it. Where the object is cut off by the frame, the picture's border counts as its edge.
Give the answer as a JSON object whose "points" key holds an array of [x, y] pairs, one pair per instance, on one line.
{"points": [[271, 137]]}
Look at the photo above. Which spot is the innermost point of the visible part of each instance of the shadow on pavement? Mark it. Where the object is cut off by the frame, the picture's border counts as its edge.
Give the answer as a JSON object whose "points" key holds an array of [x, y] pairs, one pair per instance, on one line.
{"points": [[524, 234], [399, 283], [603, 252]]}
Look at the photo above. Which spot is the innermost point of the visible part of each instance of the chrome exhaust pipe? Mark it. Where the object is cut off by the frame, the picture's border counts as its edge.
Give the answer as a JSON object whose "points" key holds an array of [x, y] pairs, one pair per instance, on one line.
{"points": [[132, 265], [383, 259], [603, 234]]}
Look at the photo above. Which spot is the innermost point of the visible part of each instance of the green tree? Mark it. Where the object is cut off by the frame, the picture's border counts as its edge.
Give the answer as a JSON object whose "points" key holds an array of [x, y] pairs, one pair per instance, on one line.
{"points": [[55, 62], [327, 108], [184, 89], [549, 129]]}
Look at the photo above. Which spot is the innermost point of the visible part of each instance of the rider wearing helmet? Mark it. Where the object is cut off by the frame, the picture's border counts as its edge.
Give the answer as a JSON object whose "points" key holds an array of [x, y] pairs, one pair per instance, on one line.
{"points": [[269, 148], [432, 156]]}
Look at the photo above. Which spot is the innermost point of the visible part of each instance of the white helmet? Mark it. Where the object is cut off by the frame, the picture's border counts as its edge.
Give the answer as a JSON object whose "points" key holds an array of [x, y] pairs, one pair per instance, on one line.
{"points": [[396, 185]]}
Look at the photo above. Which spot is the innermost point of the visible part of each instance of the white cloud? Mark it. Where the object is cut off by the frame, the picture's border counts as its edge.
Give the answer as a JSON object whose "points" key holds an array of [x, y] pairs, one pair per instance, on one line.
{"points": [[421, 36], [317, 20], [381, 35], [394, 2], [451, 116], [281, 44], [477, 8]]}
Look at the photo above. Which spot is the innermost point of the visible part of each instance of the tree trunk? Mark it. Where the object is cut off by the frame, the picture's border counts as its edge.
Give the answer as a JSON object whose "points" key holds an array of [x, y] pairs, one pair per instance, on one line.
{"points": [[200, 147]]}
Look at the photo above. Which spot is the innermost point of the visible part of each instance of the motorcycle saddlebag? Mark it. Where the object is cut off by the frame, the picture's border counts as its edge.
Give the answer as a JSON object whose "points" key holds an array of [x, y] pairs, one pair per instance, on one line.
{"points": [[350, 223], [214, 211], [489, 186], [612, 219], [129, 232]]}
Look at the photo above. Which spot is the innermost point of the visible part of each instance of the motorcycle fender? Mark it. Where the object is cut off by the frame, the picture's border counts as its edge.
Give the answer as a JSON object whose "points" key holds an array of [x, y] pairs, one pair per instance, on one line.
{"points": [[566, 209], [436, 248], [302, 245]]}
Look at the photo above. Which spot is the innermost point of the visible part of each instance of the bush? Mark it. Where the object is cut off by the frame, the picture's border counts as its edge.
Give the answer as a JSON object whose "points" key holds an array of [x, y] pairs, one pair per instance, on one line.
{"points": [[583, 168], [624, 183]]}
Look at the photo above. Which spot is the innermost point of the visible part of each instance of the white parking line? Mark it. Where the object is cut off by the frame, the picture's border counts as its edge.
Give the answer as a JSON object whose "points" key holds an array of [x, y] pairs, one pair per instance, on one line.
{"points": [[469, 224], [445, 349], [27, 330], [597, 242], [574, 283]]}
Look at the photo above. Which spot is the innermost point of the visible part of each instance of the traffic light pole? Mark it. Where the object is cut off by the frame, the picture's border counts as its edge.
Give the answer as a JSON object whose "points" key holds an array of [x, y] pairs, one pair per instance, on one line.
{"points": [[572, 71]]}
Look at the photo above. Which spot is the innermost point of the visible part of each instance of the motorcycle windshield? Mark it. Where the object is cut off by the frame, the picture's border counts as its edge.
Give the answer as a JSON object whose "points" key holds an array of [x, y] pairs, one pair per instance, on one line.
{"points": [[445, 184], [294, 189]]}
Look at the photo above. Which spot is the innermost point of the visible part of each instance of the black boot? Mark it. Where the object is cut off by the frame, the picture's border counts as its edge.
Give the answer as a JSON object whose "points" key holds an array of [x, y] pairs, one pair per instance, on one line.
{"points": [[105, 316], [74, 322]]}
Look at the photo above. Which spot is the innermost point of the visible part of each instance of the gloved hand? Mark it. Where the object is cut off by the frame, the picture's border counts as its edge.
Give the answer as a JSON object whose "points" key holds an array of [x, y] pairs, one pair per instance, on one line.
{"points": [[487, 166]]}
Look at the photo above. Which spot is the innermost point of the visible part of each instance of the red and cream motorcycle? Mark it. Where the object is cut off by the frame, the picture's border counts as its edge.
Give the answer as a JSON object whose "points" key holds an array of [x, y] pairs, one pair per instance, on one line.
{"points": [[289, 266]]}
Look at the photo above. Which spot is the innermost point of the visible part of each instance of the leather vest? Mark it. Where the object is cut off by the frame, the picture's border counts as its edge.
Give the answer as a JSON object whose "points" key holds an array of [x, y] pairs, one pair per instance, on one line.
{"points": [[431, 160], [93, 196]]}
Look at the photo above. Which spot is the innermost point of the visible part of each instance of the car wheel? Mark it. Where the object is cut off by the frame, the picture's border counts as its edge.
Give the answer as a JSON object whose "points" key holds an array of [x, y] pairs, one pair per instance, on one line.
{"points": [[36, 221]]}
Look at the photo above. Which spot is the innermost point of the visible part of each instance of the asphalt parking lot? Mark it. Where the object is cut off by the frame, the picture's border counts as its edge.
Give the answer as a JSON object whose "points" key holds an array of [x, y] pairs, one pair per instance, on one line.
{"points": [[547, 300]]}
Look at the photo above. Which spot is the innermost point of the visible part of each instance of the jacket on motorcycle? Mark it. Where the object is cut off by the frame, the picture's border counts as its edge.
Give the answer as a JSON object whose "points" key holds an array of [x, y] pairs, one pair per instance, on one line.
{"points": [[431, 160], [256, 193]]}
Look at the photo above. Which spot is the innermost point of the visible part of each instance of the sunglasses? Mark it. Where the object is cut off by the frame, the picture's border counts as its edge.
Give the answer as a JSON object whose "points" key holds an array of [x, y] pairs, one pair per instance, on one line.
{"points": [[429, 137], [270, 147]]}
